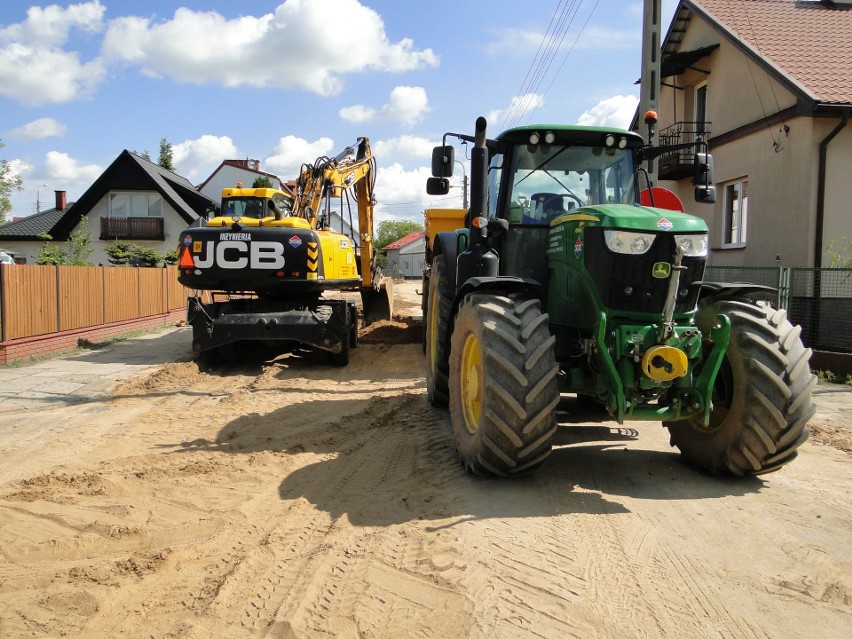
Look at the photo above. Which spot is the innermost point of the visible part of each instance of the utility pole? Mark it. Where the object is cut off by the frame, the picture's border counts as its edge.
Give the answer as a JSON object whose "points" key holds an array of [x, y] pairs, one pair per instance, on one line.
{"points": [[464, 184], [464, 191], [649, 93]]}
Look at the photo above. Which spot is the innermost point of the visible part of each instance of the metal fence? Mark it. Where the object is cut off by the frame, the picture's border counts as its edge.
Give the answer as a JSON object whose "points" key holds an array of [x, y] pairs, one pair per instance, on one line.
{"points": [[820, 300]]}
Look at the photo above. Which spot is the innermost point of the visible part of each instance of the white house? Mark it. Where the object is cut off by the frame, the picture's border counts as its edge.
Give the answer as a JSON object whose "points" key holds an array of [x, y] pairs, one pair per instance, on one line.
{"points": [[407, 255]]}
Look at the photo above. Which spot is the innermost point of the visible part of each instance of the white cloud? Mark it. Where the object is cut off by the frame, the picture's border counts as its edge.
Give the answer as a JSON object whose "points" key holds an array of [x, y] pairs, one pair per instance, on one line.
{"points": [[61, 167], [616, 111], [519, 107], [406, 106], [405, 147], [307, 44], [401, 193], [514, 41], [291, 153], [358, 114], [39, 129], [35, 68], [197, 158], [21, 168]]}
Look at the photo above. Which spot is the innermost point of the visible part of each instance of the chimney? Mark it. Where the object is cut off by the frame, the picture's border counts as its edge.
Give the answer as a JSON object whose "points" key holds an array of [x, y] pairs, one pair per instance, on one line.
{"points": [[61, 202]]}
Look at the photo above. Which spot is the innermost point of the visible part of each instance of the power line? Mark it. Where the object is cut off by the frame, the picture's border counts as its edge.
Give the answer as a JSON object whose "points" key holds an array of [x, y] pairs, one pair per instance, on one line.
{"points": [[551, 43]]}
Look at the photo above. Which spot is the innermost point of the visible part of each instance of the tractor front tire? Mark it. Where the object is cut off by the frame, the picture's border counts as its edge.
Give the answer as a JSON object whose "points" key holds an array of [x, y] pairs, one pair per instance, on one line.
{"points": [[761, 399], [439, 304], [502, 383]]}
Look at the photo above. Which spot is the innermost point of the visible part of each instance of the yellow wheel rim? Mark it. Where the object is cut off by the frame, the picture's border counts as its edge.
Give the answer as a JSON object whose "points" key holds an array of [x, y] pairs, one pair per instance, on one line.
{"points": [[471, 386], [433, 334]]}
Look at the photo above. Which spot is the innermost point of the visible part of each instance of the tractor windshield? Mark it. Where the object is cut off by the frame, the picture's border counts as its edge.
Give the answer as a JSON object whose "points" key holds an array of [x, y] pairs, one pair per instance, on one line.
{"points": [[549, 180]]}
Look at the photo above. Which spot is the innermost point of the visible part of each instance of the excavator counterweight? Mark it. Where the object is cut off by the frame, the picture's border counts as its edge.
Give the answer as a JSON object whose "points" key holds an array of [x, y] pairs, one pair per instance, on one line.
{"points": [[271, 262]]}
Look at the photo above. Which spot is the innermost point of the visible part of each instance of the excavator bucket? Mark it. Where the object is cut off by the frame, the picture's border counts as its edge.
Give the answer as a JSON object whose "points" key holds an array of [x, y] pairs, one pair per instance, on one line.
{"points": [[378, 301]]}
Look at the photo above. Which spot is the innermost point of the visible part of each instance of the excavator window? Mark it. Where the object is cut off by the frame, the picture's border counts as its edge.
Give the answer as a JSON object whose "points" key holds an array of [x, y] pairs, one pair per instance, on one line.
{"points": [[253, 207]]}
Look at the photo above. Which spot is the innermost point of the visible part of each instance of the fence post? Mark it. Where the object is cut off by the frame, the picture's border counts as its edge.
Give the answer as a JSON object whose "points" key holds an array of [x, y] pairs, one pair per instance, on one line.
{"points": [[58, 300], [3, 271]]}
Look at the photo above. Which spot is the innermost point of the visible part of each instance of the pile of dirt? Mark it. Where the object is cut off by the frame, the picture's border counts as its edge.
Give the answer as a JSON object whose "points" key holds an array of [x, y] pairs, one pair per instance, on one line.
{"points": [[397, 331]]}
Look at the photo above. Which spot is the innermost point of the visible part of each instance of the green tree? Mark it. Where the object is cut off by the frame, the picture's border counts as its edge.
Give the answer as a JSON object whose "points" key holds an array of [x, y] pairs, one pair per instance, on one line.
{"points": [[8, 182], [79, 247], [262, 182], [80, 244], [50, 253], [392, 230], [166, 159], [840, 256], [123, 253]]}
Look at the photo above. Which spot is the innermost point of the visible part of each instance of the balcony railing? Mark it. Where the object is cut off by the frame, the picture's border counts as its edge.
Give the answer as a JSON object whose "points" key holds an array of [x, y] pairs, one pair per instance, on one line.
{"points": [[132, 228], [678, 164]]}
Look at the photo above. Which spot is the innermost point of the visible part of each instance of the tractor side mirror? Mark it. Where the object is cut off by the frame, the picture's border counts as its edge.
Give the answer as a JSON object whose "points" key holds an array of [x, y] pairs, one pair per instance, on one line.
{"points": [[705, 192], [703, 165], [437, 186], [443, 160]]}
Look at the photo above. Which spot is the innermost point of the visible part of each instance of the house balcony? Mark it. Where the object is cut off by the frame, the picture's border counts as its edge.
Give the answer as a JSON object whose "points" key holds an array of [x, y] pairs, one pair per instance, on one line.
{"points": [[133, 228], [677, 164]]}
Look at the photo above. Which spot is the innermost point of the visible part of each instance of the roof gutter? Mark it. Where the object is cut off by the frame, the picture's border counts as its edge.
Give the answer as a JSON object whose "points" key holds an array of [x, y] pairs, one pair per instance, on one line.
{"points": [[821, 177]]}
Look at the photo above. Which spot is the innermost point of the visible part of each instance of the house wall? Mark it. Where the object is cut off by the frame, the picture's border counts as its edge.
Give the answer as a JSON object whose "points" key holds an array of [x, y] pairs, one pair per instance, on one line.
{"points": [[173, 225], [410, 260], [782, 181], [838, 196], [227, 177]]}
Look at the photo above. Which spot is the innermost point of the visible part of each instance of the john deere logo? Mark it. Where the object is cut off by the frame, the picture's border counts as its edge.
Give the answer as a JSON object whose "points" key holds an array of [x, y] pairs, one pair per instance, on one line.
{"points": [[662, 270]]}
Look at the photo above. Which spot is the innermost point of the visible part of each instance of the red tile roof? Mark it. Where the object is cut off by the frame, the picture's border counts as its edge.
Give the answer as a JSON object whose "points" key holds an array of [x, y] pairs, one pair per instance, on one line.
{"points": [[405, 241], [810, 42]]}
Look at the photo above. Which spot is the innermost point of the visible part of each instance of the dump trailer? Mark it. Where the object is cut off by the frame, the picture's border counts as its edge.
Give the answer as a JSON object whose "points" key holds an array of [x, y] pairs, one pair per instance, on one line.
{"points": [[269, 262], [563, 281]]}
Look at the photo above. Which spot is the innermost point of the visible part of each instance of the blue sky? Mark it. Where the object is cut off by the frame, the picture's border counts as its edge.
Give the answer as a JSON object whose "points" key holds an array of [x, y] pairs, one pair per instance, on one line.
{"points": [[284, 82]]}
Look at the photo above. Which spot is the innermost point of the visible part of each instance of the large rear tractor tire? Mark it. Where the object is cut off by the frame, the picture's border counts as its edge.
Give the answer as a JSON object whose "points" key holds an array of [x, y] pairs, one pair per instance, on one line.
{"points": [[762, 396], [502, 383], [439, 305]]}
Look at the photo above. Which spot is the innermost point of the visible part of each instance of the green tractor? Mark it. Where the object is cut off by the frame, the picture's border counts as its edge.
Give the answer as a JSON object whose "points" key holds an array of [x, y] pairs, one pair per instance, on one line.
{"points": [[569, 278]]}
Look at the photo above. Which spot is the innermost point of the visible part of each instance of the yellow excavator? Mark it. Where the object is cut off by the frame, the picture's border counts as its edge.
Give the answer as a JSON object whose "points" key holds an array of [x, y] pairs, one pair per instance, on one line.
{"points": [[271, 261]]}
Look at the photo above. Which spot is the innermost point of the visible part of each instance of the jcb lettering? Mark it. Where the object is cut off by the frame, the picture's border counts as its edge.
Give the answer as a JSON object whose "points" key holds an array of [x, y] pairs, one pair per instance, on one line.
{"points": [[267, 255], [234, 247], [236, 254]]}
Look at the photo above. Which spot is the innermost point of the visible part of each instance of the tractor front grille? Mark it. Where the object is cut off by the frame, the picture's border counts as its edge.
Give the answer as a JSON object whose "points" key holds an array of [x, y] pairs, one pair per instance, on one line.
{"points": [[627, 283]]}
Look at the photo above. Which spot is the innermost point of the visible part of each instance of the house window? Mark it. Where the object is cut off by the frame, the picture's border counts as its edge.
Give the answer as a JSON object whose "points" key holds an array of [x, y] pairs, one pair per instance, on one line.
{"points": [[701, 109], [736, 213], [135, 204]]}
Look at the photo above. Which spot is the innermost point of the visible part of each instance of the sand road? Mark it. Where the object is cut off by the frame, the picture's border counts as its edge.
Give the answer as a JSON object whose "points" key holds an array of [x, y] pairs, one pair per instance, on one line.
{"points": [[291, 499]]}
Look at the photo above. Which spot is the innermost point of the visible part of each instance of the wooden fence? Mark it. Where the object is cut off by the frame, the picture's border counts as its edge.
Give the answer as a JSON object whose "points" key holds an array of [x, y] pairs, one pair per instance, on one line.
{"points": [[39, 304]]}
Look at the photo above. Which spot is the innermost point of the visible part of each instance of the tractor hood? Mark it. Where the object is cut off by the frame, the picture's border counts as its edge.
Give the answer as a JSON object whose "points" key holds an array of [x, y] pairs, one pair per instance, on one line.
{"points": [[636, 217]]}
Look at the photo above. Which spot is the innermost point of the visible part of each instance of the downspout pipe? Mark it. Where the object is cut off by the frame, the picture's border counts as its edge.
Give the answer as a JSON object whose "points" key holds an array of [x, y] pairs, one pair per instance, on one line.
{"points": [[820, 206]]}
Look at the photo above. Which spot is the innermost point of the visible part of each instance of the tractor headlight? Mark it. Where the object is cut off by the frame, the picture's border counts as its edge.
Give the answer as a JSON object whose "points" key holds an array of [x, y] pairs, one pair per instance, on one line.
{"points": [[692, 245], [628, 242]]}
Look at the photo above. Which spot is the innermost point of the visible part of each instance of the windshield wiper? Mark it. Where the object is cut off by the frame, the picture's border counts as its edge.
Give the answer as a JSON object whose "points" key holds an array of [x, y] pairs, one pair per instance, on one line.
{"points": [[541, 166]]}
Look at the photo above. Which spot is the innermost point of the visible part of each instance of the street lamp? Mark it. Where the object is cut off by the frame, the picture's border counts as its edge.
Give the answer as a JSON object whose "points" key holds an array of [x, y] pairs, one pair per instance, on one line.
{"points": [[38, 197], [464, 184]]}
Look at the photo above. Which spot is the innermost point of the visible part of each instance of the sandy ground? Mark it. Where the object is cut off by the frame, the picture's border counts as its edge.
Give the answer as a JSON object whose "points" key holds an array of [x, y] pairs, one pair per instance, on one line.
{"points": [[291, 499]]}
